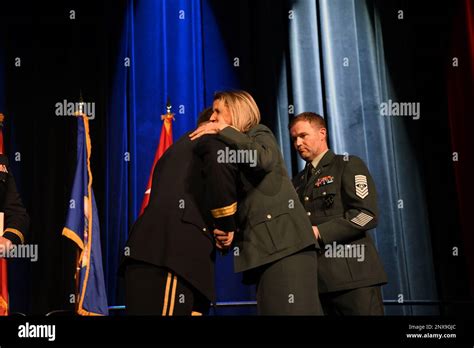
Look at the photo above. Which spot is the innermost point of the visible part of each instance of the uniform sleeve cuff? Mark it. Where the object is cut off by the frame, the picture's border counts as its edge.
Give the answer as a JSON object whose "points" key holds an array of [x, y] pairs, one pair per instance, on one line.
{"points": [[13, 237], [226, 224]]}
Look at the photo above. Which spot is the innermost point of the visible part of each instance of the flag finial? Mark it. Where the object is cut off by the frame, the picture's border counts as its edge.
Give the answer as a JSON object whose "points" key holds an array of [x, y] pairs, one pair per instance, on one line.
{"points": [[169, 114], [80, 106], [168, 105]]}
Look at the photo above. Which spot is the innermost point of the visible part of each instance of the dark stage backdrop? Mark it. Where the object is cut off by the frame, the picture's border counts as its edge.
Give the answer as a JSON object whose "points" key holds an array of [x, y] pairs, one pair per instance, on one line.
{"points": [[339, 58]]}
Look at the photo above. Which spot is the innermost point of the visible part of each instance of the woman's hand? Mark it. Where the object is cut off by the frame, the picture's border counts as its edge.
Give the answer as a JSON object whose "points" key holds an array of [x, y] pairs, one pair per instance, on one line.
{"points": [[208, 128], [5, 245], [223, 239]]}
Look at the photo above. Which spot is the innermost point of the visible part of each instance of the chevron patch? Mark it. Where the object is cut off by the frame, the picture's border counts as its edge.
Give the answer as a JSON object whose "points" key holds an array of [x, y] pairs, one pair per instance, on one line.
{"points": [[362, 189], [362, 219]]}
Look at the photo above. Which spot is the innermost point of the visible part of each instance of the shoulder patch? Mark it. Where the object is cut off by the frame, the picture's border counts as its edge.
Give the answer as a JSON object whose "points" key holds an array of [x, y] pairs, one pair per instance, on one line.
{"points": [[361, 187]]}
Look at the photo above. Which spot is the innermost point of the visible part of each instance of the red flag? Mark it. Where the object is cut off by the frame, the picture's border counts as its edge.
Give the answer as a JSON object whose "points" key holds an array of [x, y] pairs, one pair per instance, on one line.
{"points": [[3, 262], [166, 139]]}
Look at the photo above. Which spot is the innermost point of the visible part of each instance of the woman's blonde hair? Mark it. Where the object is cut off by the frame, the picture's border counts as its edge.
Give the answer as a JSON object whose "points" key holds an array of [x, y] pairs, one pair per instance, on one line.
{"points": [[242, 107]]}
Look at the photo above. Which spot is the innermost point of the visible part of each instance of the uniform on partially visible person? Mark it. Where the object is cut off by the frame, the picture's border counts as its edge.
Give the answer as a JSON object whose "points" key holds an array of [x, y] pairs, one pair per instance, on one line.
{"points": [[16, 219], [340, 198], [274, 245], [169, 267]]}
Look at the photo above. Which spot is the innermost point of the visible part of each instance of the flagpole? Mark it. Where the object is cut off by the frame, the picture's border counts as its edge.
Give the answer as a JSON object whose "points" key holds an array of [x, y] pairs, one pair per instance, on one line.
{"points": [[169, 115], [78, 113], [79, 253], [166, 139], [4, 298]]}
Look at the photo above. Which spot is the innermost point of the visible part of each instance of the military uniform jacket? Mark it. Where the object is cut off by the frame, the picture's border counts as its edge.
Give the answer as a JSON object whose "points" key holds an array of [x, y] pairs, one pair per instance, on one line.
{"points": [[340, 199], [175, 229], [16, 219], [271, 221]]}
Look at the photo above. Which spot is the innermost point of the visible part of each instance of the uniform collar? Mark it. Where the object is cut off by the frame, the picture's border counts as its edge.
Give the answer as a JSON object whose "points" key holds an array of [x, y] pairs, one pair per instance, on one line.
{"points": [[318, 158], [326, 159]]}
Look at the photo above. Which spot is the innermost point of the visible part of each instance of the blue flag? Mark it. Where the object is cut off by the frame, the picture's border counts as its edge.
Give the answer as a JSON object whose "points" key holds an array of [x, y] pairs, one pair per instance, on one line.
{"points": [[82, 227]]}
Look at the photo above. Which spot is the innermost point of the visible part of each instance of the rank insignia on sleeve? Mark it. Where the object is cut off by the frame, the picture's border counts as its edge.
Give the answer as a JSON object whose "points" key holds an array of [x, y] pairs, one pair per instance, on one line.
{"points": [[324, 181], [362, 189], [362, 219]]}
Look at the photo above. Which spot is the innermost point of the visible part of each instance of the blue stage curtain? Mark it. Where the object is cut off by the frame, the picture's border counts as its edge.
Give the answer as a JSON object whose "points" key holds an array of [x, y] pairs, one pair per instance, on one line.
{"points": [[337, 69]]}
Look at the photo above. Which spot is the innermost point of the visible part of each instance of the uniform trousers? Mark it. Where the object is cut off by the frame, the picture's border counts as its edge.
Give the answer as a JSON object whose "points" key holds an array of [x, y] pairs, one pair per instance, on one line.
{"points": [[289, 286], [153, 290], [361, 301]]}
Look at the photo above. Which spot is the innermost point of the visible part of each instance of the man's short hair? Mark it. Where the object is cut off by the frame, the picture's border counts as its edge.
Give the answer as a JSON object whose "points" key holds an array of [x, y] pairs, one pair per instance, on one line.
{"points": [[310, 117], [204, 115]]}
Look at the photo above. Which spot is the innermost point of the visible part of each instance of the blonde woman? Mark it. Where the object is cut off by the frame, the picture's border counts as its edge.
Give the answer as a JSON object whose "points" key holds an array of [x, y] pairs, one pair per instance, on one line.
{"points": [[256, 209]]}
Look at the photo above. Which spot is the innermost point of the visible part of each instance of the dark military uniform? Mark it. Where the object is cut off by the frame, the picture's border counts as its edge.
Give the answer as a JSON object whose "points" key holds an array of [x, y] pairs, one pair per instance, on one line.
{"points": [[169, 266], [16, 220], [340, 199], [274, 242]]}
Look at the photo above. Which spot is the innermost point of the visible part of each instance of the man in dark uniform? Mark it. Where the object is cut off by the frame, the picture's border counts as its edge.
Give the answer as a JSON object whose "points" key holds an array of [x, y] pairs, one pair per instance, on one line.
{"points": [[169, 257], [16, 220], [339, 196]]}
